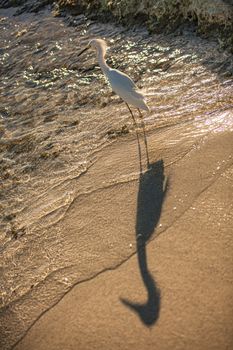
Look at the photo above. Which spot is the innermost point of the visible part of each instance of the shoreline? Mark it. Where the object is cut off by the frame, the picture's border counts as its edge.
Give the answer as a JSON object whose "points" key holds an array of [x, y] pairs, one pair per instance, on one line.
{"points": [[176, 248]]}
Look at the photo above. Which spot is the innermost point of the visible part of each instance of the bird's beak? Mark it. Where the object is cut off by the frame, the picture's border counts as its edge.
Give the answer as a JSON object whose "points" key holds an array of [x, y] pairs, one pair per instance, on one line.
{"points": [[82, 51]]}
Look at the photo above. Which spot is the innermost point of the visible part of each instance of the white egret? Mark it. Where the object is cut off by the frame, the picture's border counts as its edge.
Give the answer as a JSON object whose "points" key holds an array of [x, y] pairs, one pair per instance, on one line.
{"points": [[121, 83]]}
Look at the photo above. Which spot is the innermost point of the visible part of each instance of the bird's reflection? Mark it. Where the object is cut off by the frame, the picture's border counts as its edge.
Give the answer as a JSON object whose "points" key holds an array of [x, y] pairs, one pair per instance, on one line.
{"points": [[151, 194]]}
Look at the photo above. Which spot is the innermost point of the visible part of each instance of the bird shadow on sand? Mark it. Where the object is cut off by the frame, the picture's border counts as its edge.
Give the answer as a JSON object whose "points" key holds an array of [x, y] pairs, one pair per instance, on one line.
{"points": [[151, 194]]}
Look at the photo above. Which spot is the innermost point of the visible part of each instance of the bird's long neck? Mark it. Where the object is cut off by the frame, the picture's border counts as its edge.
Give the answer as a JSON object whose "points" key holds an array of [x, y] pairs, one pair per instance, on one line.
{"points": [[101, 59]]}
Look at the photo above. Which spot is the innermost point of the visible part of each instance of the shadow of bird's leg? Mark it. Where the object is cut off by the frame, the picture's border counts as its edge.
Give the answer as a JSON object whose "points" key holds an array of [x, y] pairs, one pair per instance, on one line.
{"points": [[145, 139]]}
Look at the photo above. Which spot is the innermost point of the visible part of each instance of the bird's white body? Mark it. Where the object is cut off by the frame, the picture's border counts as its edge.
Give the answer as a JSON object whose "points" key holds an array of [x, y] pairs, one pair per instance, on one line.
{"points": [[123, 86], [121, 83]]}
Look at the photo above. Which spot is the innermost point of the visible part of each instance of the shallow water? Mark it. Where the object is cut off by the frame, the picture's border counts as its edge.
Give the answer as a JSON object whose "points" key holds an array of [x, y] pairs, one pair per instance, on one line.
{"points": [[57, 112]]}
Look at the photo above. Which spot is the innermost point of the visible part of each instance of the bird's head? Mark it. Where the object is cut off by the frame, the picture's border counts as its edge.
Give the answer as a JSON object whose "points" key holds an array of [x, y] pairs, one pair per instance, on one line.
{"points": [[98, 45]]}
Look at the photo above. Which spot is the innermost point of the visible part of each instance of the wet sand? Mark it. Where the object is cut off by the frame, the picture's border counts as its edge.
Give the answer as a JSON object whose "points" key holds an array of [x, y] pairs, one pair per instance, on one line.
{"points": [[175, 295]]}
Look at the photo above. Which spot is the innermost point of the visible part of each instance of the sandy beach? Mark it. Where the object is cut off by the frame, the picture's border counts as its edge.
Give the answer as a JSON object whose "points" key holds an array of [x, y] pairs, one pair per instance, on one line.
{"points": [[178, 295]]}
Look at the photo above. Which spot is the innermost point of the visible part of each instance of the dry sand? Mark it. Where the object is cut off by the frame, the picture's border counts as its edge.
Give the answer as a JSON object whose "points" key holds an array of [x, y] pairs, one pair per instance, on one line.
{"points": [[176, 291]]}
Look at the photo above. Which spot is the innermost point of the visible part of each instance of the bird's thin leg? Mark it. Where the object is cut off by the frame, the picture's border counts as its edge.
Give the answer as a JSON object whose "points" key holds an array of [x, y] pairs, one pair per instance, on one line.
{"points": [[139, 146], [145, 139], [139, 153], [131, 114]]}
